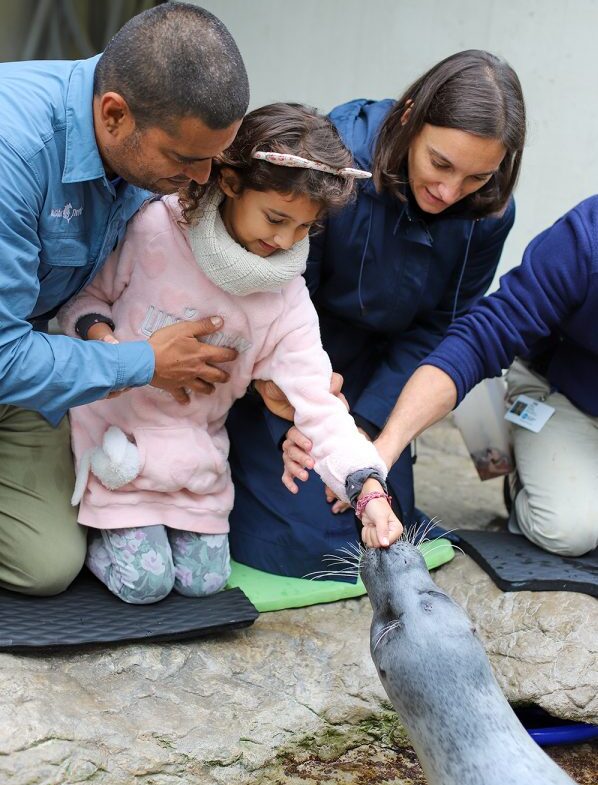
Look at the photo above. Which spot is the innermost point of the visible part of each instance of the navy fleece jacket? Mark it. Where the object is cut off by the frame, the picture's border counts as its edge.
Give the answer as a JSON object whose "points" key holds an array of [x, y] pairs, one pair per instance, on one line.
{"points": [[545, 308]]}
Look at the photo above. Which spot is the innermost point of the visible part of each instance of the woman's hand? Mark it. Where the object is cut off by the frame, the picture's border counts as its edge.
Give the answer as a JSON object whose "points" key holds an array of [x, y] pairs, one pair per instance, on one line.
{"points": [[381, 527], [296, 447], [274, 399], [337, 504], [277, 402], [296, 458]]}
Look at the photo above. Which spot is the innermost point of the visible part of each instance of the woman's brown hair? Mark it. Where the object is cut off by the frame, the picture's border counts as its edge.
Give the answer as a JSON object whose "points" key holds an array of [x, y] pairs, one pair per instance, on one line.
{"points": [[282, 128], [472, 91]]}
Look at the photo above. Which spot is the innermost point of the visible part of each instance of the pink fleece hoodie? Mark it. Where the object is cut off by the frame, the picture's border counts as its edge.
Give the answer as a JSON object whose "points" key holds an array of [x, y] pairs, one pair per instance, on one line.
{"points": [[184, 482]]}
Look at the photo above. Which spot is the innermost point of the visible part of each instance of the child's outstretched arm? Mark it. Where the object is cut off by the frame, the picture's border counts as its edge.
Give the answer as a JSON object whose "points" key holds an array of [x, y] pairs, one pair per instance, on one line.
{"points": [[298, 364]]}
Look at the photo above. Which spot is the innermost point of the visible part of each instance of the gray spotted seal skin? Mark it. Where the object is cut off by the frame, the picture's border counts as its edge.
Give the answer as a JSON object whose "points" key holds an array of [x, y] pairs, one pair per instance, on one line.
{"points": [[439, 680]]}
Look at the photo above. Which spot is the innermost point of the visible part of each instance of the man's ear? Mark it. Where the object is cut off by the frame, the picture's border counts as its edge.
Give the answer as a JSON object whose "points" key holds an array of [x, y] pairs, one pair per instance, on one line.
{"points": [[115, 115], [407, 112], [229, 182]]}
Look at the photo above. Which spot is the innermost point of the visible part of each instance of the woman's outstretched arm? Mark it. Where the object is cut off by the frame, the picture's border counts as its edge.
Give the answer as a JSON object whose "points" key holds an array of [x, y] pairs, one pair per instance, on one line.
{"points": [[429, 395]]}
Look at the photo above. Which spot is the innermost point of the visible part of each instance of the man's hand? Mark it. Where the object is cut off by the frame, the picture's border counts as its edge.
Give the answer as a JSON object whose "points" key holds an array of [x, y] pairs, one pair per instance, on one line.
{"points": [[381, 527], [183, 363]]}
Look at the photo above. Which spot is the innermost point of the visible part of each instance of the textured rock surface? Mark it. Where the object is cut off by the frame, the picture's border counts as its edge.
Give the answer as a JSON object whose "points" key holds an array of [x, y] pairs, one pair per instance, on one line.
{"points": [[543, 645], [211, 711], [295, 698]]}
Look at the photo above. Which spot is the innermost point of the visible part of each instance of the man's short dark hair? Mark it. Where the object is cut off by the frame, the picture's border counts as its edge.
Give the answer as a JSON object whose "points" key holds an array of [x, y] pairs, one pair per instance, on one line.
{"points": [[175, 60]]}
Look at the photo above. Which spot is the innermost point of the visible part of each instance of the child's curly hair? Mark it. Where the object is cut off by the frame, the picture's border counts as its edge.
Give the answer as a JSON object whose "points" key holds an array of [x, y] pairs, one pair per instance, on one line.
{"points": [[282, 128]]}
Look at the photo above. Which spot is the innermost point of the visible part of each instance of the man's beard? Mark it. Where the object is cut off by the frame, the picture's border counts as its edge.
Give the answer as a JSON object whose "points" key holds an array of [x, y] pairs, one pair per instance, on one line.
{"points": [[132, 151]]}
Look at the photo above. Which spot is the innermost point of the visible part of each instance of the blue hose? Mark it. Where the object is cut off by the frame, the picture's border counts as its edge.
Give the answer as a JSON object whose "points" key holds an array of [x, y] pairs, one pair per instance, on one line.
{"points": [[575, 733]]}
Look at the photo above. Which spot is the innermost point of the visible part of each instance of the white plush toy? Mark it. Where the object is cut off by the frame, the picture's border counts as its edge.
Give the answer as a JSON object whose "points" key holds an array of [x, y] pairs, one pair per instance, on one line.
{"points": [[115, 463]]}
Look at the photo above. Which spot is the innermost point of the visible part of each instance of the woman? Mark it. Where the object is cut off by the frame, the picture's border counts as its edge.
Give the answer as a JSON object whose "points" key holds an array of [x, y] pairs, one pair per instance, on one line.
{"points": [[544, 311], [388, 275]]}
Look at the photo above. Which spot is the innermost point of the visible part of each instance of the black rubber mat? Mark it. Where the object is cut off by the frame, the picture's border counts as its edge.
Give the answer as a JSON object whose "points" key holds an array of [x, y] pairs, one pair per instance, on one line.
{"points": [[516, 564], [87, 613]]}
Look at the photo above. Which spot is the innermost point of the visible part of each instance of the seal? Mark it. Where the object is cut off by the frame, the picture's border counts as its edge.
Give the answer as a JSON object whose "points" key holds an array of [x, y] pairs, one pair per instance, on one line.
{"points": [[439, 680]]}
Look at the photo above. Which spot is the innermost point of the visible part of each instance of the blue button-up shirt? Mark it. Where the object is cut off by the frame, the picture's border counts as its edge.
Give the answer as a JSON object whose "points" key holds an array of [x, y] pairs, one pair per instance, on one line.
{"points": [[60, 218]]}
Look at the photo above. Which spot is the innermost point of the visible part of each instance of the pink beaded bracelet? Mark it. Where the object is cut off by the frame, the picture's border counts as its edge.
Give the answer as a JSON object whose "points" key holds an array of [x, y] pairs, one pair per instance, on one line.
{"points": [[363, 502]]}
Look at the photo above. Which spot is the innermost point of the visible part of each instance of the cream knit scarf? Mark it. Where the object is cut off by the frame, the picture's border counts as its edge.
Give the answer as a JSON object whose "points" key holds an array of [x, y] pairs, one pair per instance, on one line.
{"points": [[229, 265]]}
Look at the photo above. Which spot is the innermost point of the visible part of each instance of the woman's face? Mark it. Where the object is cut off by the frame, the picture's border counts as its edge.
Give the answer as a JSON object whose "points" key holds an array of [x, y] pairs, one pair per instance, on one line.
{"points": [[445, 165]]}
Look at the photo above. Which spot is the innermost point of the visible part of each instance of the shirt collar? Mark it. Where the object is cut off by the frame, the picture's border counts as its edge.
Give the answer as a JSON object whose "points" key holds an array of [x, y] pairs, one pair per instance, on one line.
{"points": [[82, 160]]}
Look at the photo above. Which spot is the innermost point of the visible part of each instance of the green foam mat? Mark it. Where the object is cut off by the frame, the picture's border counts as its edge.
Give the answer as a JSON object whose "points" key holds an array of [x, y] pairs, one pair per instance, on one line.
{"points": [[275, 592]]}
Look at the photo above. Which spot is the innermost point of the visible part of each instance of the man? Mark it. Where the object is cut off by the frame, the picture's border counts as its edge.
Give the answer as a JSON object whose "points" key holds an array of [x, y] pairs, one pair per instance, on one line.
{"points": [[82, 146]]}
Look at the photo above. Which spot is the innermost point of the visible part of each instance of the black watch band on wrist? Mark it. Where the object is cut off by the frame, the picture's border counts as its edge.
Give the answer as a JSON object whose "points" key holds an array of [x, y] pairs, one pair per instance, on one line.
{"points": [[355, 482], [85, 322]]}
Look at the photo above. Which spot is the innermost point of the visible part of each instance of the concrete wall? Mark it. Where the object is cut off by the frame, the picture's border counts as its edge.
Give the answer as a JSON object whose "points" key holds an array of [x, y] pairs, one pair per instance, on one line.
{"points": [[15, 20], [328, 51]]}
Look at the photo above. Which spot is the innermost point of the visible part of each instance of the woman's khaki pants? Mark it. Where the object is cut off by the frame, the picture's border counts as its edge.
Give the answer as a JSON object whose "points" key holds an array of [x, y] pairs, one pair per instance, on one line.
{"points": [[557, 504]]}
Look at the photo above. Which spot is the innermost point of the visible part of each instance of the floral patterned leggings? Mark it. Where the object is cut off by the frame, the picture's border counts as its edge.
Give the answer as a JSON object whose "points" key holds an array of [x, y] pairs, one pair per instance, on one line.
{"points": [[142, 565]]}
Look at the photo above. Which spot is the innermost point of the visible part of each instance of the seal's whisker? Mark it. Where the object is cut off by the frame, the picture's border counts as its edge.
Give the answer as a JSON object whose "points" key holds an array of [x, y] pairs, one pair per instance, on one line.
{"points": [[421, 530], [329, 557], [436, 548], [339, 562], [311, 576], [352, 554], [332, 576], [343, 569], [413, 531], [386, 630], [429, 526], [351, 549], [448, 531], [354, 550]]}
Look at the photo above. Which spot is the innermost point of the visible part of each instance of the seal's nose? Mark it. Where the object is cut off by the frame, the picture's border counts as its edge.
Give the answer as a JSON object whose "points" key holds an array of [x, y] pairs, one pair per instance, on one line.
{"points": [[401, 554]]}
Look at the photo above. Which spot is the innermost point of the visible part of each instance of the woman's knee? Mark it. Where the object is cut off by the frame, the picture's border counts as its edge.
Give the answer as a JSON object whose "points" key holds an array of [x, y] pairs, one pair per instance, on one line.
{"points": [[563, 529]]}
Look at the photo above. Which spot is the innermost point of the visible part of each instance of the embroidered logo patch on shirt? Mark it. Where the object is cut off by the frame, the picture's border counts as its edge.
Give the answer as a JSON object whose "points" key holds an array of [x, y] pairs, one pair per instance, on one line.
{"points": [[67, 212]]}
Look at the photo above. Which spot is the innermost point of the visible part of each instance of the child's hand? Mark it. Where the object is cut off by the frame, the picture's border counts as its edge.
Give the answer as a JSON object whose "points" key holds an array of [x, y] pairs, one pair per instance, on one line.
{"points": [[101, 332], [381, 527]]}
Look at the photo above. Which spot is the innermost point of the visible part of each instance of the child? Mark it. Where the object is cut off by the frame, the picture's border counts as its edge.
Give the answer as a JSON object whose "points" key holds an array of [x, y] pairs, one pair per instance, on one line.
{"points": [[152, 475]]}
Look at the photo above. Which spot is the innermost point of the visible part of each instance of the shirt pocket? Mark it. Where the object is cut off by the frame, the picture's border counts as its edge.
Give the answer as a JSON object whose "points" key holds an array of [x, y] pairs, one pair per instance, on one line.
{"points": [[179, 459], [63, 251]]}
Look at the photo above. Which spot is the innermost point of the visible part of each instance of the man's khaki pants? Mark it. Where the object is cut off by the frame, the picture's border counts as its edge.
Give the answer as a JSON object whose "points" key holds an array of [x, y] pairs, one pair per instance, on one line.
{"points": [[557, 504], [42, 547]]}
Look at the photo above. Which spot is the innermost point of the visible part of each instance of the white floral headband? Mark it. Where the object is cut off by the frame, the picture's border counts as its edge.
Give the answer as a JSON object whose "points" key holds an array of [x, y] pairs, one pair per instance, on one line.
{"points": [[285, 159]]}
